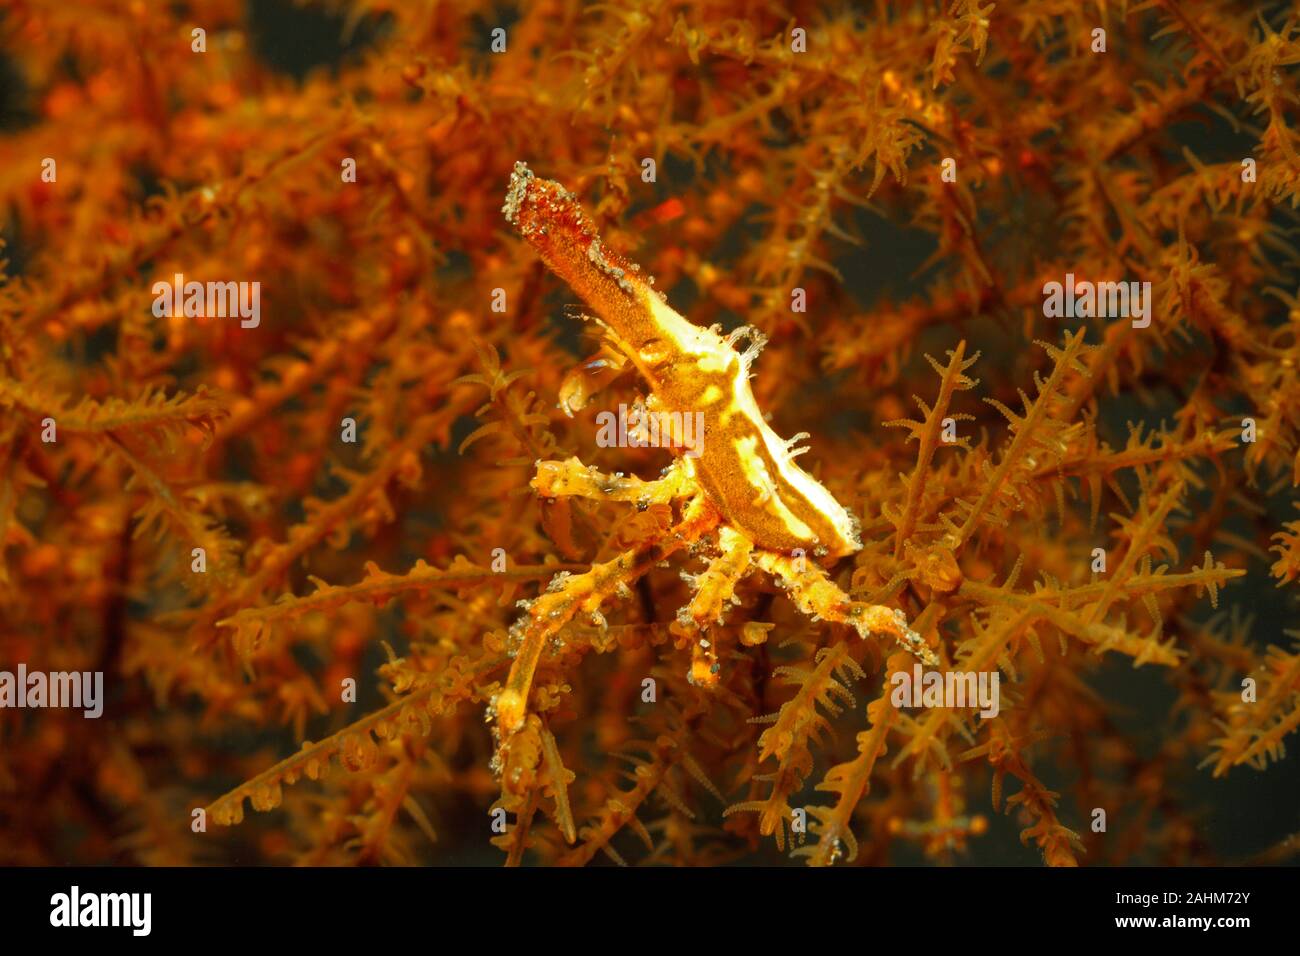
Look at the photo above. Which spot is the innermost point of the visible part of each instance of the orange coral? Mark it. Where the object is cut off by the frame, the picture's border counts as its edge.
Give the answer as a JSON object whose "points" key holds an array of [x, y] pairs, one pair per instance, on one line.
{"points": [[373, 561]]}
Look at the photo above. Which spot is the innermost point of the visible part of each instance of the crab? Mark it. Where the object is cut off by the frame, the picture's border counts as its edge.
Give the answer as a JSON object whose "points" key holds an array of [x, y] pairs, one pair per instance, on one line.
{"points": [[740, 484]]}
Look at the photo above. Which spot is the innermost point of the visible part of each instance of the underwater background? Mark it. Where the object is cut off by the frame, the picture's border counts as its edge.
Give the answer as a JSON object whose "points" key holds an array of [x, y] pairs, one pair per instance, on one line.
{"points": [[918, 171]]}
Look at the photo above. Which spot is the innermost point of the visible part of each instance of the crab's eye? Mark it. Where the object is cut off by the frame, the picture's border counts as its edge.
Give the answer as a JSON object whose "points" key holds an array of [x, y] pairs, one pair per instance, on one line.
{"points": [[657, 354]]}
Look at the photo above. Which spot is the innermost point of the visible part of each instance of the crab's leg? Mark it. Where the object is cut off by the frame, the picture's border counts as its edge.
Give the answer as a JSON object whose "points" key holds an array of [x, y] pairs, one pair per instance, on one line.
{"points": [[567, 595], [573, 479], [590, 377], [714, 588], [818, 596]]}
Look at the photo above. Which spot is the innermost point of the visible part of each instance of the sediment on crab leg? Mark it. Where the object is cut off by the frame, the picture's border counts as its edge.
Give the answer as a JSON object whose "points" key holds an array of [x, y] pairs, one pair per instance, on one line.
{"points": [[714, 590], [819, 597], [569, 594], [573, 479]]}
